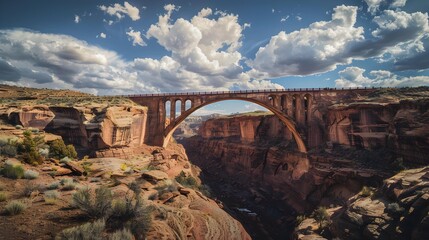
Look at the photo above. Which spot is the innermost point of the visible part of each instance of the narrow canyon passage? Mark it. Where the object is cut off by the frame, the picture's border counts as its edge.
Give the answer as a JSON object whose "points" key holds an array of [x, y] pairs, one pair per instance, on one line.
{"points": [[263, 214]]}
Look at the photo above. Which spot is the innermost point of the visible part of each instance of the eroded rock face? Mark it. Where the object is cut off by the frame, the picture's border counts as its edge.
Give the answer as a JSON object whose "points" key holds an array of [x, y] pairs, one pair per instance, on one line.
{"points": [[399, 210], [94, 127]]}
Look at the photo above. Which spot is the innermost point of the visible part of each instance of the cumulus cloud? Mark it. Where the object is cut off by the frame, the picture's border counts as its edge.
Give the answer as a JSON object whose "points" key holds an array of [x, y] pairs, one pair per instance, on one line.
{"points": [[316, 49], [373, 5], [76, 19], [136, 37], [61, 60], [204, 48], [415, 57], [326, 44], [354, 77], [120, 11], [398, 3]]}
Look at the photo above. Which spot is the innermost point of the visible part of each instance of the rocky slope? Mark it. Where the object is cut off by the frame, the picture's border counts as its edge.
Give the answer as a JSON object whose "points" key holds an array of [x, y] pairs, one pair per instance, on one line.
{"points": [[397, 210], [179, 210]]}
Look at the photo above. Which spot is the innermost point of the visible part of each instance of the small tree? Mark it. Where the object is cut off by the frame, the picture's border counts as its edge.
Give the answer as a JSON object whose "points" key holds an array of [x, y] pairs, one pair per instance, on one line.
{"points": [[320, 215], [30, 148]]}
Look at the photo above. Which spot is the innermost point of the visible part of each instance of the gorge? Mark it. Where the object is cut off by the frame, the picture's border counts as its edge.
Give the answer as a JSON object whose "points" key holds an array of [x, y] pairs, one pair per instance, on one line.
{"points": [[353, 140]]}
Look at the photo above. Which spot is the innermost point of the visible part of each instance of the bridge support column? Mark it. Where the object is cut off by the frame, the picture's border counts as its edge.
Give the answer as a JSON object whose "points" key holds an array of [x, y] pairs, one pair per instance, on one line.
{"points": [[299, 110], [173, 111], [183, 107]]}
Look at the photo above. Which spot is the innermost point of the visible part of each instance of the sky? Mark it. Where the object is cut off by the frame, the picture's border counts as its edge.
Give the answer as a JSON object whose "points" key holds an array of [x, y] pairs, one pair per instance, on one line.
{"points": [[134, 47]]}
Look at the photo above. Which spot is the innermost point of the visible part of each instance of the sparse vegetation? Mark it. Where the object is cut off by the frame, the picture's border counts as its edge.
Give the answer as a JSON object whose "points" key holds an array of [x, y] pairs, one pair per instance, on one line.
{"points": [[87, 231], [15, 207], [321, 216], [12, 170], [51, 196], [29, 188], [53, 186], [59, 150], [123, 234], [30, 148], [187, 181], [94, 206], [8, 147], [299, 219], [3, 197], [30, 174], [366, 191]]}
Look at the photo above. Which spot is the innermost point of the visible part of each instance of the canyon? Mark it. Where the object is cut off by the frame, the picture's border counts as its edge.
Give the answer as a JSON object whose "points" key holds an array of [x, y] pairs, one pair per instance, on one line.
{"points": [[251, 161]]}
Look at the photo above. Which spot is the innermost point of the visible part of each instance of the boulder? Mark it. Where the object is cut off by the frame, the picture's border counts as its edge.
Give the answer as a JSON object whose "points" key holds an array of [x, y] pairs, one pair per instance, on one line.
{"points": [[154, 175]]}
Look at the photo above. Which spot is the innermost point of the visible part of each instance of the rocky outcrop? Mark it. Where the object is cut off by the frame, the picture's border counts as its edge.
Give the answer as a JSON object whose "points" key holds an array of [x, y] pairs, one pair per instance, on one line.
{"points": [[93, 127], [398, 210]]}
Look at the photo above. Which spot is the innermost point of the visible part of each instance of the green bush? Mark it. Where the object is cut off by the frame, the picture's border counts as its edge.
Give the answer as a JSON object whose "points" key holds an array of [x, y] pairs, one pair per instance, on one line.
{"points": [[30, 148], [14, 207], [123, 234], [87, 231], [54, 185], [3, 197], [59, 150], [30, 174], [68, 184], [13, 171], [299, 219], [65, 160], [130, 213], [30, 188], [187, 181], [320, 215], [94, 206]]}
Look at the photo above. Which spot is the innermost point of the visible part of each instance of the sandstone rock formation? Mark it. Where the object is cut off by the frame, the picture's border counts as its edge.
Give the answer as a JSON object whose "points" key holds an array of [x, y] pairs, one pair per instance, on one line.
{"points": [[398, 210]]}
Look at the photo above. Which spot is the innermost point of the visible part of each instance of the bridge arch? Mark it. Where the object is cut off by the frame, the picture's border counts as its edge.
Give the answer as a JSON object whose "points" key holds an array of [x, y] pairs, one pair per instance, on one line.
{"points": [[168, 132]]}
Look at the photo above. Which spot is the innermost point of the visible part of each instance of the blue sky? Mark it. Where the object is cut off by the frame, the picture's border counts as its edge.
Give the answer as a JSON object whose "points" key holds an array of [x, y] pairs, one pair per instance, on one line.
{"points": [[127, 47]]}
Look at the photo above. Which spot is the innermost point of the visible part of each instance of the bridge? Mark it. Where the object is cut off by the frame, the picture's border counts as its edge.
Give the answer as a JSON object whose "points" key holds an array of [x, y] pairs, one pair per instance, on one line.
{"points": [[294, 107]]}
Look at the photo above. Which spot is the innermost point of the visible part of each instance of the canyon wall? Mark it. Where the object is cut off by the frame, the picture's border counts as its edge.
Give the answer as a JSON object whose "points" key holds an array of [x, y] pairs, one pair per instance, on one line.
{"points": [[94, 128]]}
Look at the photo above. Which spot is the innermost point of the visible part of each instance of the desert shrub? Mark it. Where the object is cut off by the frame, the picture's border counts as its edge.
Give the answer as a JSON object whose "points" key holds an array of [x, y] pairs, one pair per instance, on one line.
{"points": [[19, 127], [94, 206], [51, 196], [30, 174], [30, 188], [69, 186], [131, 213], [30, 148], [394, 208], [2, 196], [65, 160], [398, 164], [187, 181], [8, 147], [44, 152], [366, 191], [205, 189], [58, 149], [123, 234], [14, 207], [87, 231], [13, 171], [320, 215], [299, 219], [54, 185]]}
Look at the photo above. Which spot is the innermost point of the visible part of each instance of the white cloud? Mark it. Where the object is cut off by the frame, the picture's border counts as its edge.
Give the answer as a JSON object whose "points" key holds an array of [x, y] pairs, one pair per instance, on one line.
{"points": [[103, 35], [283, 19], [398, 3], [310, 50], [76, 19], [136, 37], [353, 77], [373, 5], [298, 18], [272, 10], [119, 11], [326, 44]]}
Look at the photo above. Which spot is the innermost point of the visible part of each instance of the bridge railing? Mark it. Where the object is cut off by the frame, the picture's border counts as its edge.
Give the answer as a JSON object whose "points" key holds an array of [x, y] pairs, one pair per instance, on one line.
{"points": [[246, 91]]}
